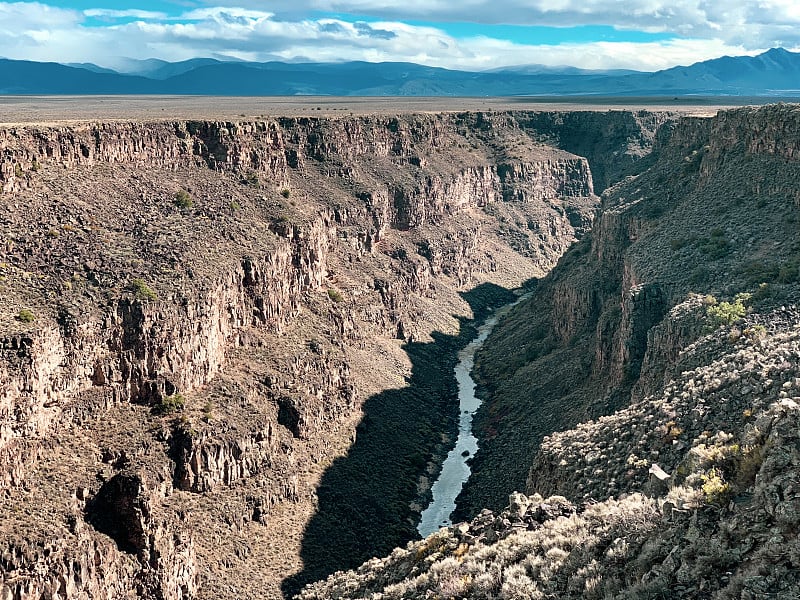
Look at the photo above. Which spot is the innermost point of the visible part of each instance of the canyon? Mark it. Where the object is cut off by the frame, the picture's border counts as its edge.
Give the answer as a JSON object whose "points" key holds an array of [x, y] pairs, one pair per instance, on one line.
{"points": [[638, 433], [227, 349]]}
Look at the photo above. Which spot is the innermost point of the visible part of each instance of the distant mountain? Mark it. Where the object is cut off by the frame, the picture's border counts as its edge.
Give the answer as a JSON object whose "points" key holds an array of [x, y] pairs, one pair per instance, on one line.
{"points": [[26, 77], [773, 73], [91, 67], [564, 70], [161, 69]]}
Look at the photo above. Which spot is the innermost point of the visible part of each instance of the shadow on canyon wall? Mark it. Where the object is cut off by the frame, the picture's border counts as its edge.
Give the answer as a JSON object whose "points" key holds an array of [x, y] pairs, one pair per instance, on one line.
{"points": [[364, 497]]}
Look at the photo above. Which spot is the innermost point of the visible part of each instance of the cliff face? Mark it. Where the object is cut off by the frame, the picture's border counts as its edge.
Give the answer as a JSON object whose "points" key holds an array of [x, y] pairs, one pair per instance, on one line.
{"points": [[221, 146], [694, 221], [614, 142], [197, 315], [676, 320]]}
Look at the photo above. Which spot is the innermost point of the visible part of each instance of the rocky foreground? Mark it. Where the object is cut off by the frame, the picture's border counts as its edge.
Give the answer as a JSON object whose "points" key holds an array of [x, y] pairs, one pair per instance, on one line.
{"points": [[711, 507], [665, 349]]}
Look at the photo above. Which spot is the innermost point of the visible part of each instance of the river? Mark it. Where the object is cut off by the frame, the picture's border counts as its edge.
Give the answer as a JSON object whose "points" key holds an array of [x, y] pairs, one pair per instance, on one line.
{"points": [[455, 470]]}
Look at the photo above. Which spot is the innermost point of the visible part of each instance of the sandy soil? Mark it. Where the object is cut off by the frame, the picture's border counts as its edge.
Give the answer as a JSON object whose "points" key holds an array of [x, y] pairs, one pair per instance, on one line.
{"points": [[19, 110]]}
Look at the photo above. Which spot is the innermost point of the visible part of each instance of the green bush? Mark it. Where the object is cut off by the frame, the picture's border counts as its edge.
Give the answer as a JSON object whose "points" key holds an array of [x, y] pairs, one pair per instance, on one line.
{"points": [[676, 244], [716, 490], [170, 404], [772, 272], [700, 275], [251, 178], [763, 292], [757, 272], [142, 291], [789, 272], [755, 333], [285, 192], [183, 199], [714, 247], [335, 295], [26, 316], [727, 313]]}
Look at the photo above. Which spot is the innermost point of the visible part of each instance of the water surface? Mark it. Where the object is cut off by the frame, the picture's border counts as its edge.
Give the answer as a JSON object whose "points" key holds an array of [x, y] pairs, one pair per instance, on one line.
{"points": [[455, 470]]}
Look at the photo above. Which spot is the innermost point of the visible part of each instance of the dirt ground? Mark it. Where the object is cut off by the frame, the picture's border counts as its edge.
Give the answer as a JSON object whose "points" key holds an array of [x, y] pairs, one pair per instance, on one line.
{"points": [[19, 110]]}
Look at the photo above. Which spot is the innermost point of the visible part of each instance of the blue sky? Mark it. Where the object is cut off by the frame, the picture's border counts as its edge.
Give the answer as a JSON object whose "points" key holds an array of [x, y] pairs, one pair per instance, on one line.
{"points": [[468, 34]]}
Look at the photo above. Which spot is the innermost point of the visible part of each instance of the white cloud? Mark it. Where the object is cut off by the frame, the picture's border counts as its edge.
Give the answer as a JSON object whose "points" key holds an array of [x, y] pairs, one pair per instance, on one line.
{"points": [[33, 30], [201, 14], [22, 14], [110, 13], [751, 23], [40, 32]]}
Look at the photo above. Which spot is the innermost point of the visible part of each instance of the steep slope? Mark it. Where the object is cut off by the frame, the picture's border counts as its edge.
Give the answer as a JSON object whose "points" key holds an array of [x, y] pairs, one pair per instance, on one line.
{"points": [[716, 214], [686, 487], [209, 329]]}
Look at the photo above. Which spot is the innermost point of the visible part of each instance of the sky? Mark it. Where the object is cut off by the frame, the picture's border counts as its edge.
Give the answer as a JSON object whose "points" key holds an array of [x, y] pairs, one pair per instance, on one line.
{"points": [[645, 35]]}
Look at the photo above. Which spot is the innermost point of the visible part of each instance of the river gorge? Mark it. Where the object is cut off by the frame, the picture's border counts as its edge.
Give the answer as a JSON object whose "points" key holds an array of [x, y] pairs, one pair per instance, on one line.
{"points": [[455, 470], [228, 347]]}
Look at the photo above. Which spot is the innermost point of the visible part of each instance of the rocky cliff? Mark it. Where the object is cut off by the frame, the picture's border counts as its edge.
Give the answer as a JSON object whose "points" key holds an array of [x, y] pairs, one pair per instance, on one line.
{"points": [[208, 330], [675, 319], [694, 221]]}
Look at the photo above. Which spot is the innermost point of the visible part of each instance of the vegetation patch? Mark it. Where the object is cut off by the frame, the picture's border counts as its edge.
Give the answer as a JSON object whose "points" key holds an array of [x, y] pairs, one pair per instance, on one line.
{"points": [[715, 246], [433, 544], [251, 178], [183, 199], [726, 313], [26, 316], [716, 490], [142, 291], [756, 272], [170, 404], [756, 333]]}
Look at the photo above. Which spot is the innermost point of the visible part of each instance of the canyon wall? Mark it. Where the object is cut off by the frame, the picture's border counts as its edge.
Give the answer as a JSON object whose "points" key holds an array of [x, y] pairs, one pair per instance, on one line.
{"points": [[649, 387], [198, 316], [714, 214]]}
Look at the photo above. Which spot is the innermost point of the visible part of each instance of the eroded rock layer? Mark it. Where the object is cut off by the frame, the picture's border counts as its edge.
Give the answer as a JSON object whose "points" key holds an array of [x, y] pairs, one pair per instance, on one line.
{"points": [[209, 331], [645, 398]]}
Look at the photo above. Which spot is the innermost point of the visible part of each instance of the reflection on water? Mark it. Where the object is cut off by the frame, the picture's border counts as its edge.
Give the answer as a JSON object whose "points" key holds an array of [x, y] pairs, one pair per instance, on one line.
{"points": [[455, 470]]}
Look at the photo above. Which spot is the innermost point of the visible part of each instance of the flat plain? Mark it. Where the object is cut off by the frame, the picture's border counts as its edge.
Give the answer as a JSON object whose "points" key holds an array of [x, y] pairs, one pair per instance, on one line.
{"points": [[51, 110]]}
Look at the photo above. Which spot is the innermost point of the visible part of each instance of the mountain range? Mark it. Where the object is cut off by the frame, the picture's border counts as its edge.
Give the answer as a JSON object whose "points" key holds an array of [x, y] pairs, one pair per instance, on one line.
{"points": [[773, 73]]}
